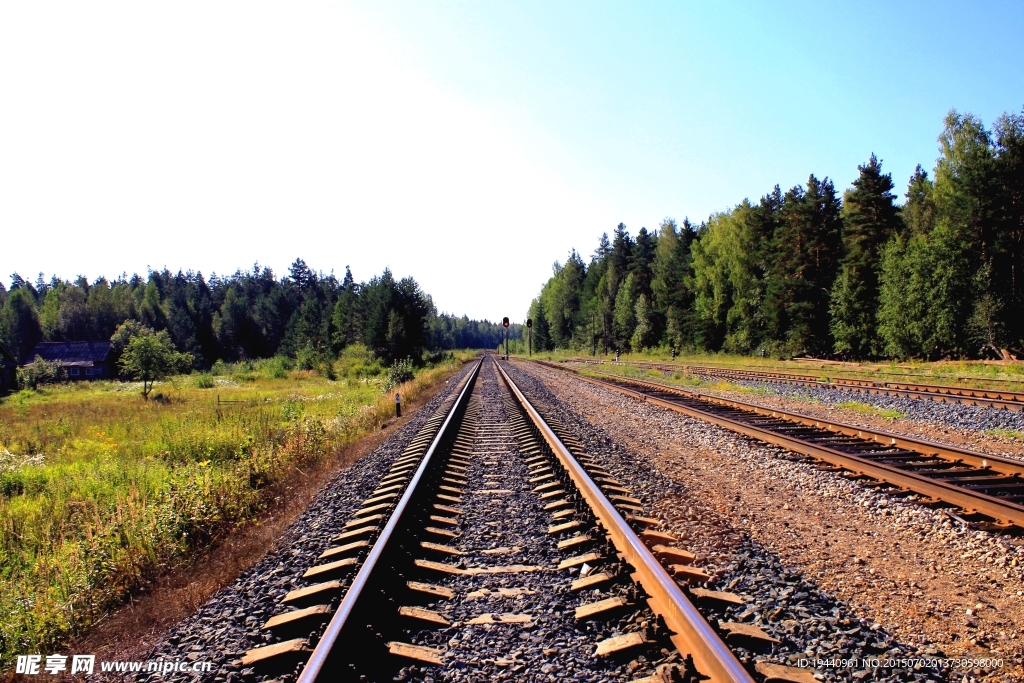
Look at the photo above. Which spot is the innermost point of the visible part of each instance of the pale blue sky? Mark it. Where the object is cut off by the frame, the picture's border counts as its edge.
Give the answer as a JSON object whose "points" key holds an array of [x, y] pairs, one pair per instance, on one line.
{"points": [[467, 144]]}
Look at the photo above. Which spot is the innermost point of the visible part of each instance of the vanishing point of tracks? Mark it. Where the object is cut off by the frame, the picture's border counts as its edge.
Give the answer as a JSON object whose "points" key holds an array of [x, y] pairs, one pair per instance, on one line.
{"points": [[988, 489], [495, 525]]}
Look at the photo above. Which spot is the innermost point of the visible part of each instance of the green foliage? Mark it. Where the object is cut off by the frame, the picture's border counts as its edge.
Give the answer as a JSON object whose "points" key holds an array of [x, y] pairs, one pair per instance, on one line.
{"points": [[803, 272], [870, 219], [309, 317], [99, 492], [19, 323], [624, 320], [643, 333], [400, 372], [40, 372], [359, 363], [203, 380], [149, 357], [726, 280]]}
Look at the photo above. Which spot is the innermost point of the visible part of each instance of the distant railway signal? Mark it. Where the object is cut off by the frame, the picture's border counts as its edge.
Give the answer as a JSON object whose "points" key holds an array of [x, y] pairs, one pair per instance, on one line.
{"points": [[529, 333], [504, 322]]}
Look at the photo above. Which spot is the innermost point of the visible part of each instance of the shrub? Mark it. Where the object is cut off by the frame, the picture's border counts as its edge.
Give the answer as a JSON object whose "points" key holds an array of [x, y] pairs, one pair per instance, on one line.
{"points": [[277, 367], [399, 373], [203, 381], [40, 372]]}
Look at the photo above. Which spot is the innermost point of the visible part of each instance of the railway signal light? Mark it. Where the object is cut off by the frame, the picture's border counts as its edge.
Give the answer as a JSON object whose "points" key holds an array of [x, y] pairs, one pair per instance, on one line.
{"points": [[529, 333], [504, 322]]}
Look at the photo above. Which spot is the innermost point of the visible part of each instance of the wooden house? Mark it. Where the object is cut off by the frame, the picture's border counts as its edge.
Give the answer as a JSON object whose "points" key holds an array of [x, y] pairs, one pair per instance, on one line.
{"points": [[83, 360]]}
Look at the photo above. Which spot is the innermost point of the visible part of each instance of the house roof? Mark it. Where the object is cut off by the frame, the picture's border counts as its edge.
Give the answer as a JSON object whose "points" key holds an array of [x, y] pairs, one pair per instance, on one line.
{"points": [[6, 357], [73, 353]]}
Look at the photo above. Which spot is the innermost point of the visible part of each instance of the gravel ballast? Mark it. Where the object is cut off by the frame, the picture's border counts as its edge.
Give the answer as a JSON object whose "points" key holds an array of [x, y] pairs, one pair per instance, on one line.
{"points": [[832, 569], [504, 524], [991, 430]]}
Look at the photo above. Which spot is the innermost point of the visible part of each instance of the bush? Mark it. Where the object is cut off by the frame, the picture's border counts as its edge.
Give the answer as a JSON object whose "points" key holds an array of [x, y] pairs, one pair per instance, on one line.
{"points": [[358, 362], [316, 359], [399, 373], [40, 372], [277, 367], [203, 381]]}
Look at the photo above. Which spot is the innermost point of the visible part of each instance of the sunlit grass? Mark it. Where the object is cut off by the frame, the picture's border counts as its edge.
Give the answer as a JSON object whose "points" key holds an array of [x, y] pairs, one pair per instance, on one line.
{"points": [[868, 409], [1011, 434], [101, 490]]}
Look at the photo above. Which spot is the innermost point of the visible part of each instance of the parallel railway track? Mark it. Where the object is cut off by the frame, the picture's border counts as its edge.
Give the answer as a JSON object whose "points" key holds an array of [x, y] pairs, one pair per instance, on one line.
{"points": [[412, 563], [986, 398], [988, 489]]}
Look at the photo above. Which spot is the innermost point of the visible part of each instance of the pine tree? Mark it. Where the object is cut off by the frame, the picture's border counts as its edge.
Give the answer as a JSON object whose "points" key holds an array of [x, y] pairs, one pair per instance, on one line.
{"points": [[346, 325], [151, 312], [641, 261], [803, 263], [619, 258], [919, 209], [870, 218]]}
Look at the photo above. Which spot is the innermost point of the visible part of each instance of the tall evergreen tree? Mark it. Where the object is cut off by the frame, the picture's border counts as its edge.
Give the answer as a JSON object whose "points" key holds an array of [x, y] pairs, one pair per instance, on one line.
{"points": [[804, 251], [870, 218], [919, 209], [641, 262], [346, 323]]}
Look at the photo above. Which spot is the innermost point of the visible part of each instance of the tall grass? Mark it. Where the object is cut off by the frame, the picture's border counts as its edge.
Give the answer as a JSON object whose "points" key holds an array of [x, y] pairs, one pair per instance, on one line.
{"points": [[101, 490]]}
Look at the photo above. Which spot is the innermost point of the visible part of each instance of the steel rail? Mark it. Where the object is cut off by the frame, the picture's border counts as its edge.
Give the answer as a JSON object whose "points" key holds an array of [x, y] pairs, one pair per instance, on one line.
{"points": [[839, 366], [995, 398], [321, 653], [1004, 511], [692, 633], [976, 396]]}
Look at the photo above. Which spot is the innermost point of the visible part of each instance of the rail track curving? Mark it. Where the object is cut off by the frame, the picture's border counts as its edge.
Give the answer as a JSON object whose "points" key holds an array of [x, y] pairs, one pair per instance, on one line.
{"points": [[988, 489], [421, 563]]}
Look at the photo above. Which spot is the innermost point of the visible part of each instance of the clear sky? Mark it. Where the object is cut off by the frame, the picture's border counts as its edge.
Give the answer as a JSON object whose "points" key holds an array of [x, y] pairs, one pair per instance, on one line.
{"points": [[468, 144]]}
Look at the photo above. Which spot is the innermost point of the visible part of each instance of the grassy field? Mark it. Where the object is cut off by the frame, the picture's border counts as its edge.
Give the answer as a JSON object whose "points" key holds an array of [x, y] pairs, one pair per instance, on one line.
{"points": [[100, 490], [1008, 376]]}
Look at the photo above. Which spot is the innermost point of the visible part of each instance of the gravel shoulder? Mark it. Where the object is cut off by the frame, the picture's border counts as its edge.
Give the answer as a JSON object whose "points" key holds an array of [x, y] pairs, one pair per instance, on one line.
{"points": [[977, 428], [893, 566]]}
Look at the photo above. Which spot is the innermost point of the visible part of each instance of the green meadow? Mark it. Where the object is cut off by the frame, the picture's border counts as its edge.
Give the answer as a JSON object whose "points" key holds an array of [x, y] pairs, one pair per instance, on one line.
{"points": [[101, 491]]}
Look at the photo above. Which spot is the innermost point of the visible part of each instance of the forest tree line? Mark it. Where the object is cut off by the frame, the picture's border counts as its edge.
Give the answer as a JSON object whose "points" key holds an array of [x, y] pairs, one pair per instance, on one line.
{"points": [[306, 315], [809, 272]]}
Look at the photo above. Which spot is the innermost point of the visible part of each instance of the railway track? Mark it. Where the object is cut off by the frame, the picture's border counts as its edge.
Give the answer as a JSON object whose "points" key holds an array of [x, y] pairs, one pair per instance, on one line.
{"points": [[988, 489], [986, 398], [496, 527]]}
